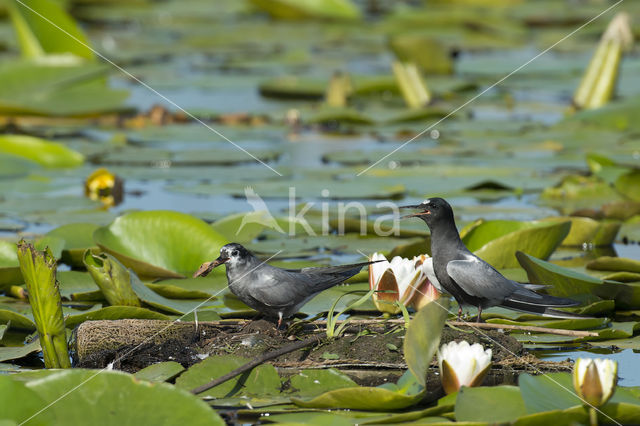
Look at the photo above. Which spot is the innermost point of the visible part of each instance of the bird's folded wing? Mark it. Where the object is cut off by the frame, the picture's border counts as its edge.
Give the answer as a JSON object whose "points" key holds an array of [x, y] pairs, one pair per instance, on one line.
{"points": [[480, 279]]}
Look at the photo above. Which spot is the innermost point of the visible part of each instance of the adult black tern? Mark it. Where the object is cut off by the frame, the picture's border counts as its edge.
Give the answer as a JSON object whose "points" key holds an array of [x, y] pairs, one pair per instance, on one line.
{"points": [[471, 280], [275, 292]]}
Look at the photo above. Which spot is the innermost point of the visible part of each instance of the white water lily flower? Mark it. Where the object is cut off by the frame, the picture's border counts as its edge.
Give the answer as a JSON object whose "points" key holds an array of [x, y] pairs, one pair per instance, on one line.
{"points": [[595, 379], [462, 364], [404, 280]]}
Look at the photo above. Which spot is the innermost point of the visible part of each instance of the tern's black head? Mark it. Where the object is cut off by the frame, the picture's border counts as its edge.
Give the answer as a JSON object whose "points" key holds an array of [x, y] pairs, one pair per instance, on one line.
{"points": [[433, 211], [232, 254]]}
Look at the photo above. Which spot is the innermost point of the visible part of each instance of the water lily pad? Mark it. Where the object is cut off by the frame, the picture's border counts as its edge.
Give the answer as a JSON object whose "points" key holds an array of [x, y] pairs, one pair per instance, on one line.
{"points": [[74, 282], [152, 298], [361, 398], [489, 404], [160, 372], [140, 402], [314, 382], [160, 243], [306, 9], [567, 282], [262, 380], [21, 403], [585, 230], [9, 267], [609, 263], [16, 352], [46, 153], [629, 185], [77, 237], [497, 241]]}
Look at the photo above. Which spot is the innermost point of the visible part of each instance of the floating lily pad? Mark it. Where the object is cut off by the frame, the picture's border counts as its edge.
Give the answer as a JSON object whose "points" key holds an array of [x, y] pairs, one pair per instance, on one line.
{"points": [[152, 298], [308, 9], [160, 372], [314, 382], [262, 380], [608, 263], [21, 403], [588, 231], [496, 404], [16, 352], [361, 398], [77, 237], [160, 243], [497, 241], [46, 153], [141, 402]]}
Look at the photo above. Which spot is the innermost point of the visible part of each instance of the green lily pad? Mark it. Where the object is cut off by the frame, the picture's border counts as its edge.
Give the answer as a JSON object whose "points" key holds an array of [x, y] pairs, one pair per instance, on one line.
{"points": [[585, 230], [423, 337], [18, 320], [310, 383], [242, 227], [498, 241], [308, 9], [496, 404], [77, 237], [160, 372], [9, 267], [21, 403], [152, 298], [340, 115], [141, 402], [113, 313], [361, 398], [74, 282], [567, 282], [160, 243], [629, 185], [609, 263], [46, 153], [262, 380], [16, 352]]}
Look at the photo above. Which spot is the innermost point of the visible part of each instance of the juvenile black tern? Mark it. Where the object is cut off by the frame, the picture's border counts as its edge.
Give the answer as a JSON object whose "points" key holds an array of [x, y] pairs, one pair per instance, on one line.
{"points": [[275, 292], [471, 280]]}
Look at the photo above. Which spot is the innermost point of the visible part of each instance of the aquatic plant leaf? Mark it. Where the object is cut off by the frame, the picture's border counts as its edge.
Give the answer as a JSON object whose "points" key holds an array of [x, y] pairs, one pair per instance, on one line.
{"points": [[39, 271], [38, 37], [112, 278], [585, 230], [262, 380], [78, 237], [160, 243], [114, 313], [309, 9], [423, 337], [610, 263], [152, 298], [46, 153], [16, 352], [628, 184], [314, 382], [498, 241], [19, 403], [160, 372], [9, 266], [361, 398], [496, 404], [137, 401]]}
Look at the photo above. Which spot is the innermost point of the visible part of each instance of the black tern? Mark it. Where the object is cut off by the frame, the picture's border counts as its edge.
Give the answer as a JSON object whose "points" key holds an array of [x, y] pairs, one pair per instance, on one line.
{"points": [[471, 280], [275, 292]]}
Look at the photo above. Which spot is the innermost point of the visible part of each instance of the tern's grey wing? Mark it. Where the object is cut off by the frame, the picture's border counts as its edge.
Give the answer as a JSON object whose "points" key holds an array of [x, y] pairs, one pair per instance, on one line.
{"points": [[478, 278]]}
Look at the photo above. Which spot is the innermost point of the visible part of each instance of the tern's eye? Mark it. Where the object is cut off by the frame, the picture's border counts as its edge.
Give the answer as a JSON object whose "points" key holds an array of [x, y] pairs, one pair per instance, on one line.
{"points": [[234, 253]]}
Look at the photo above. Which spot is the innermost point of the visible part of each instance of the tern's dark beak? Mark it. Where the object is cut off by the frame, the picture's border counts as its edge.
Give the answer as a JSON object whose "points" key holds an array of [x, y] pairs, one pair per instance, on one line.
{"points": [[207, 267], [422, 213]]}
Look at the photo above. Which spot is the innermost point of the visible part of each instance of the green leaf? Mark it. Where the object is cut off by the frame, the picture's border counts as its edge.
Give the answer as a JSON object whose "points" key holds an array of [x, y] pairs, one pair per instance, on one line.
{"points": [[314, 382], [114, 313], [262, 380], [78, 237], [551, 391], [39, 37], [307, 9], [497, 241], [16, 352], [629, 184], [49, 154], [585, 230], [496, 404], [361, 398], [19, 403], [132, 401], [242, 227], [160, 372], [423, 337], [112, 277], [160, 243], [9, 266], [576, 415], [609, 263], [567, 282], [18, 320], [39, 272], [57, 89], [152, 298]]}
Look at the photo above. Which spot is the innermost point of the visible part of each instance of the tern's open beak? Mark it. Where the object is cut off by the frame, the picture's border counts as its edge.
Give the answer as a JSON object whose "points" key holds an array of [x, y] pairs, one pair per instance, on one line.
{"points": [[207, 267], [422, 213]]}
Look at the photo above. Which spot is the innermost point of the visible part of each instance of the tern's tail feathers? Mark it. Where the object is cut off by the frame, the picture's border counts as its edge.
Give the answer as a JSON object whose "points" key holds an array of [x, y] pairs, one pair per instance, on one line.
{"points": [[540, 304]]}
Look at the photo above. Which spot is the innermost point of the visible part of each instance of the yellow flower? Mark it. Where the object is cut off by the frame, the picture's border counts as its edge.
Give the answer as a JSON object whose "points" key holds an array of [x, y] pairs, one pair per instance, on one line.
{"points": [[104, 186], [462, 364], [595, 379]]}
